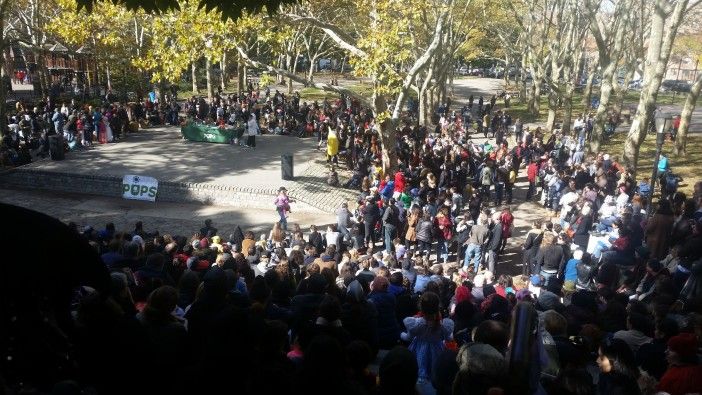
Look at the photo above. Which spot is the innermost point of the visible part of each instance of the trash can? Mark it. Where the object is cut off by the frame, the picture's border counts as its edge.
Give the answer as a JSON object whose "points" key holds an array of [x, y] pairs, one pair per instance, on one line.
{"points": [[56, 147], [286, 165]]}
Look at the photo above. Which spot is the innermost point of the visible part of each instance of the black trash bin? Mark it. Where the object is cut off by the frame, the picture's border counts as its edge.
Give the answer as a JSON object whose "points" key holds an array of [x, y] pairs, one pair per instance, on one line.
{"points": [[286, 165], [56, 147]]}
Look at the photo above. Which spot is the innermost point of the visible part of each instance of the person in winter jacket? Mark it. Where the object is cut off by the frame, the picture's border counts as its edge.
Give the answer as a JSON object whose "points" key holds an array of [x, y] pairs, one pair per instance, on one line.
{"points": [[384, 301]]}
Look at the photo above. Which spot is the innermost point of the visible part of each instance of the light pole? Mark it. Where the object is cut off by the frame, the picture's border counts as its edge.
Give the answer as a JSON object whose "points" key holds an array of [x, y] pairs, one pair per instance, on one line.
{"points": [[663, 124]]}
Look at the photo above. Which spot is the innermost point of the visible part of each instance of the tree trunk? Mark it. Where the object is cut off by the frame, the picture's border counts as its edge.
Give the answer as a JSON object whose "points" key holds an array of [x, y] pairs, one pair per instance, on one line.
{"points": [[431, 104], [294, 70], [536, 103], [290, 81], [37, 80], [686, 115], [623, 89], [530, 94], [441, 93], [552, 108], [387, 134], [523, 78], [505, 77], [600, 118], [109, 77], [423, 95], [310, 73], [208, 77], [193, 75], [246, 77], [162, 91], [7, 62], [587, 93], [240, 79], [659, 47], [290, 87], [3, 81], [223, 66], [283, 63], [567, 108]]}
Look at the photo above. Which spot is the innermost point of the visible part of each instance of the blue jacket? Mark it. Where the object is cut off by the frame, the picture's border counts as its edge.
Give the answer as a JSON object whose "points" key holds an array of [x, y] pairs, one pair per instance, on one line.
{"points": [[571, 273], [388, 190]]}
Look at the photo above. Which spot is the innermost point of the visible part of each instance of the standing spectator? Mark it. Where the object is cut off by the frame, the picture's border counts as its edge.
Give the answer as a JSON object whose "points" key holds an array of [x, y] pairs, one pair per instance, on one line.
{"points": [[444, 227], [57, 119], [426, 333], [343, 220], [507, 221], [252, 130], [207, 231], [479, 235], [385, 304], [532, 173], [425, 231], [412, 223], [97, 120], [282, 207], [659, 229], [550, 258], [391, 220], [494, 243], [371, 214]]}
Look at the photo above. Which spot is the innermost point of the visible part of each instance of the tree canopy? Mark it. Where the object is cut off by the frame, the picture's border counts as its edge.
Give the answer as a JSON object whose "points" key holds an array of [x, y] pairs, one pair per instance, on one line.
{"points": [[228, 9]]}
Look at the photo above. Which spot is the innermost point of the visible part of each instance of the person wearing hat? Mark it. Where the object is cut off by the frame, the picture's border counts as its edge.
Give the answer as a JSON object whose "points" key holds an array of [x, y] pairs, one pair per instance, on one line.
{"points": [[282, 207], [684, 374]]}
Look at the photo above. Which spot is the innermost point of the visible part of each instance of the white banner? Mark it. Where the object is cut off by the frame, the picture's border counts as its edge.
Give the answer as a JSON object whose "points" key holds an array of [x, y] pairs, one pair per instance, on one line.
{"points": [[139, 188]]}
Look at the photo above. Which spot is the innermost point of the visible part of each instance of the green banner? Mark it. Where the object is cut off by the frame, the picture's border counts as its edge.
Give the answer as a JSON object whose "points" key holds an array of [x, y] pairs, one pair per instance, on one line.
{"points": [[209, 134]]}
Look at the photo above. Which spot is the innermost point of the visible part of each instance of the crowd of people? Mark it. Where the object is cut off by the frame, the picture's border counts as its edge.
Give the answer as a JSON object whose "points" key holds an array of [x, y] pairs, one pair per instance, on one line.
{"points": [[606, 298], [79, 125]]}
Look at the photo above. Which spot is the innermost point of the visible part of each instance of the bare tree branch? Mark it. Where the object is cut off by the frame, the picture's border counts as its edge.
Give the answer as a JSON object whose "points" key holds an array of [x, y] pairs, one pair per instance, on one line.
{"points": [[326, 87], [340, 37]]}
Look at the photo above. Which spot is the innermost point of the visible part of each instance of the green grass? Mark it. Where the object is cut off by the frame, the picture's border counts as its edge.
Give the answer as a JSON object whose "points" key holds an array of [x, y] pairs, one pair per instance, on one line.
{"points": [[631, 99], [664, 98], [311, 94], [687, 166]]}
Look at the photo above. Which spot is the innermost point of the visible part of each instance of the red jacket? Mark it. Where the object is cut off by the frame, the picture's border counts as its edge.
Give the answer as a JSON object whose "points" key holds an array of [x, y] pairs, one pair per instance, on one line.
{"points": [[399, 182], [532, 172], [506, 219], [445, 222]]}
